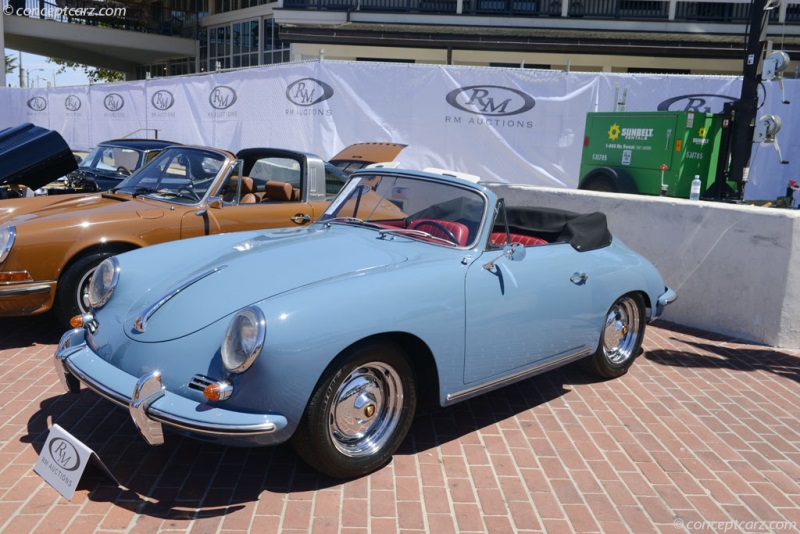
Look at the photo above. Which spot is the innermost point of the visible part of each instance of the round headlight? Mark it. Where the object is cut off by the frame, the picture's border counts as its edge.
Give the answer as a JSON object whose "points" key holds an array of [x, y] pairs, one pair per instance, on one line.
{"points": [[7, 235], [244, 339], [103, 282]]}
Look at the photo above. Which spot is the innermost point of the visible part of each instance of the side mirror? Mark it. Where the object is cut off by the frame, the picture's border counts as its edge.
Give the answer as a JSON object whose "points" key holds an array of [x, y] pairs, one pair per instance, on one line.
{"points": [[212, 202], [514, 252]]}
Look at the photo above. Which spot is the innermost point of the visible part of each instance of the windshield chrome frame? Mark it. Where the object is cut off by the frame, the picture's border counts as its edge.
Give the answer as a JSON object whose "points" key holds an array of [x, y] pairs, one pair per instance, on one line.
{"points": [[227, 160], [480, 230]]}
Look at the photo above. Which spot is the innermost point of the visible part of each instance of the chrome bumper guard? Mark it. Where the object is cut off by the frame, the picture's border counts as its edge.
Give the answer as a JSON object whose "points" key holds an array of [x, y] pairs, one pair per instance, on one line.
{"points": [[146, 392], [71, 342], [668, 297]]}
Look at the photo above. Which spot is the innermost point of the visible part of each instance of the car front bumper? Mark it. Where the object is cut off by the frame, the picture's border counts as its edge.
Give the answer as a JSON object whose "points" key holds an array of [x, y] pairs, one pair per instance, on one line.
{"points": [[26, 298], [152, 406]]}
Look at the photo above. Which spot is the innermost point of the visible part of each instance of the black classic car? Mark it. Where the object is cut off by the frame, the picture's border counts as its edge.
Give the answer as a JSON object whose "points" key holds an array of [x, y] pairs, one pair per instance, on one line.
{"points": [[106, 166], [30, 157]]}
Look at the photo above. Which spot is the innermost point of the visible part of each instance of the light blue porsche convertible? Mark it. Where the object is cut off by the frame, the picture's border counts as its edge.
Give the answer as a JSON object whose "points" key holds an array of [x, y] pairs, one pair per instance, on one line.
{"points": [[411, 285]]}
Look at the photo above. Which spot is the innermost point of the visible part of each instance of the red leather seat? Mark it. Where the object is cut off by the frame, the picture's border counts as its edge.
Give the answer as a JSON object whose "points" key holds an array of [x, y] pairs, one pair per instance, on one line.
{"points": [[434, 227], [499, 238]]}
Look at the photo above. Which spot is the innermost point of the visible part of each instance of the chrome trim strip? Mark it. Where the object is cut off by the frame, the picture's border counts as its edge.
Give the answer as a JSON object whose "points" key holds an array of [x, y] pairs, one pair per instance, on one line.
{"points": [[211, 429], [572, 354], [141, 322], [172, 419], [17, 291], [109, 394]]}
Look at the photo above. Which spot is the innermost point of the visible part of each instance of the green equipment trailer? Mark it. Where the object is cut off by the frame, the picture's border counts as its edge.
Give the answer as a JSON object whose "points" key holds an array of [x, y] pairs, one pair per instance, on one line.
{"points": [[652, 153]]}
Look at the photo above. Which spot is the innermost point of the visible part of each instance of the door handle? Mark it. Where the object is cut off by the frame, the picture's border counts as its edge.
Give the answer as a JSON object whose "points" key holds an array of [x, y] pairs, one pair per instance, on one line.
{"points": [[579, 278], [301, 218]]}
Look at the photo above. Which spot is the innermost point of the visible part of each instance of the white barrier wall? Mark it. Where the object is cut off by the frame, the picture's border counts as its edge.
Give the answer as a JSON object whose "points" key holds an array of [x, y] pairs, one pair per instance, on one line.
{"points": [[736, 269], [509, 125]]}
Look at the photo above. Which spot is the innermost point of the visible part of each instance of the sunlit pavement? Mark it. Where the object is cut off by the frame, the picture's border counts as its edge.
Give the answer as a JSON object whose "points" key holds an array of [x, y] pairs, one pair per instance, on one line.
{"points": [[702, 435]]}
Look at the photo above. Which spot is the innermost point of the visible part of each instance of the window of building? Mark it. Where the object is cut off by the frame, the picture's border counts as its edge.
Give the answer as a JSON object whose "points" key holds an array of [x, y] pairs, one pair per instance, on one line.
{"points": [[223, 6], [520, 65], [639, 70], [274, 50]]}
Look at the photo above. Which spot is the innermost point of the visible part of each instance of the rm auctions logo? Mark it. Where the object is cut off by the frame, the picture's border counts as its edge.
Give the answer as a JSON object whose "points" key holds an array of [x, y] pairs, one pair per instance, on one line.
{"points": [[702, 103], [37, 103], [222, 97], [72, 103], [308, 92], [162, 100], [113, 102], [64, 454], [490, 100]]}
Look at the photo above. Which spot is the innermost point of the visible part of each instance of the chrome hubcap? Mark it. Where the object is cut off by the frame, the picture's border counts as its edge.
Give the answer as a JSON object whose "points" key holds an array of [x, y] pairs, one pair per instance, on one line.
{"points": [[365, 410], [621, 332]]}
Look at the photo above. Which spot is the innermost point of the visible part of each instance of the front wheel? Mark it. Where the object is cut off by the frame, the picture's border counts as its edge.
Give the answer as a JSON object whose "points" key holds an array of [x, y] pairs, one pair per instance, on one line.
{"points": [[620, 339], [360, 413], [72, 296]]}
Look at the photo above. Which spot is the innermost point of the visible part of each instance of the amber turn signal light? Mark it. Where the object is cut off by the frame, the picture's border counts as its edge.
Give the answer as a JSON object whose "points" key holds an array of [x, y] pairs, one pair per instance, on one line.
{"points": [[218, 391], [9, 277], [76, 322]]}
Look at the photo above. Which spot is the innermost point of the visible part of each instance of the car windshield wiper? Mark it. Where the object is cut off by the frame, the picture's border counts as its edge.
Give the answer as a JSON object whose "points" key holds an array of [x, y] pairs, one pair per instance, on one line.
{"points": [[415, 233], [137, 190], [353, 220]]}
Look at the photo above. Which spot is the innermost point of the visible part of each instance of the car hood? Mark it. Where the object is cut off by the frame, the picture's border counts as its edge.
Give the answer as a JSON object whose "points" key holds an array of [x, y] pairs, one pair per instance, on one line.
{"points": [[33, 156], [60, 209], [200, 281]]}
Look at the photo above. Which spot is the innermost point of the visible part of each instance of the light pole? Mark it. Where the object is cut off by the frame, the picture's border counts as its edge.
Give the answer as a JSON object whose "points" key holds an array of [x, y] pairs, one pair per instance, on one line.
{"points": [[28, 73]]}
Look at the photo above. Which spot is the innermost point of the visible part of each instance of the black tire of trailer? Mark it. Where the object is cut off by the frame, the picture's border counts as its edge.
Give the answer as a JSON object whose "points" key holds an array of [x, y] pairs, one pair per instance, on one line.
{"points": [[608, 180]]}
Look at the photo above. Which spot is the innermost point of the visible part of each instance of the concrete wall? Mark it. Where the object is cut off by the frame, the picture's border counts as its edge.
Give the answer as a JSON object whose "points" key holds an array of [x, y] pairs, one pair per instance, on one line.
{"points": [[735, 268]]}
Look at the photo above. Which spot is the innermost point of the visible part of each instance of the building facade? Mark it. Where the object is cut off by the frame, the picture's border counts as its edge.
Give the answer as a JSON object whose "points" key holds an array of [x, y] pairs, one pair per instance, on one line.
{"points": [[664, 36]]}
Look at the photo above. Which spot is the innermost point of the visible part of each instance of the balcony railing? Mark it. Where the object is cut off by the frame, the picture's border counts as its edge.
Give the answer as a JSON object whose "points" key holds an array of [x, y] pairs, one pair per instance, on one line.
{"points": [[725, 12]]}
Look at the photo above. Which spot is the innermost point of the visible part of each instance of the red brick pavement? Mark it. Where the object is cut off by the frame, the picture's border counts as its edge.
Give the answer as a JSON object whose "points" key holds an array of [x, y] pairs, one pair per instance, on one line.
{"points": [[703, 434]]}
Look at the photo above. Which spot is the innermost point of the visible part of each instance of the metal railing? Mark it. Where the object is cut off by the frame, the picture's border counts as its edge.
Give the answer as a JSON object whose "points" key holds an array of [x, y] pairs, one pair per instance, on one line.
{"points": [[724, 12]]}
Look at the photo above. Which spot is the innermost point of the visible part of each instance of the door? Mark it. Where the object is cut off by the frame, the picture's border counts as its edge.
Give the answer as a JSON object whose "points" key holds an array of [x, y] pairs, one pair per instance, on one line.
{"points": [[526, 313], [237, 218]]}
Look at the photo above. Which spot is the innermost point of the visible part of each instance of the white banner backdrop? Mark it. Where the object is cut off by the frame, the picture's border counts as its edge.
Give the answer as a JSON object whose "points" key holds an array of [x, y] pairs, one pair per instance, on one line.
{"points": [[510, 125]]}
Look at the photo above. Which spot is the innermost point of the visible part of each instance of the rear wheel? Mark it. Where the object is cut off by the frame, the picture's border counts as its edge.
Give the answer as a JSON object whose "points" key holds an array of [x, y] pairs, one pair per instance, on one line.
{"points": [[72, 296], [600, 183], [360, 413], [620, 339]]}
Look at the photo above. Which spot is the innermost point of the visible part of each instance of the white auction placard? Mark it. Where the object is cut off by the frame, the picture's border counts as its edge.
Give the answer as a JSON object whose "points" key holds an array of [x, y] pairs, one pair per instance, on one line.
{"points": [[63, 460]]}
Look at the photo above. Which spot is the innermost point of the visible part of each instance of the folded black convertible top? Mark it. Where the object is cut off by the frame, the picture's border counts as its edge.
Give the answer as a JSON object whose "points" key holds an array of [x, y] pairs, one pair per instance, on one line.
{"points": [[33, 156], [584, 231]]}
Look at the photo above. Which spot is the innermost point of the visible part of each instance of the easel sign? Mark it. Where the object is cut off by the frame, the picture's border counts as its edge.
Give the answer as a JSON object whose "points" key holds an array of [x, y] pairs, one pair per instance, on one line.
{"points": [[63, 460]]}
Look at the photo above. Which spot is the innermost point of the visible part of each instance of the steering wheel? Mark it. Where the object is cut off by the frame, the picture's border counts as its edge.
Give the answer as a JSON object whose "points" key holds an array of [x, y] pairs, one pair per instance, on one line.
{"points": [[448, 234], [123, 170], [189, 189]]}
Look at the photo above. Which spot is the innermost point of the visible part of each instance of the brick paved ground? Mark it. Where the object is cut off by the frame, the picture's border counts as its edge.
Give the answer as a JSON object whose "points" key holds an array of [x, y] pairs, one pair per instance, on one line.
{"points": [[703, 433]]}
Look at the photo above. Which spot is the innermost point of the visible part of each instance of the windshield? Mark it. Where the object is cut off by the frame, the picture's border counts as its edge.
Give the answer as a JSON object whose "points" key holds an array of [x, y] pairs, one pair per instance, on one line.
{"points": [[114, 161], [180, 174], [435, 211]]}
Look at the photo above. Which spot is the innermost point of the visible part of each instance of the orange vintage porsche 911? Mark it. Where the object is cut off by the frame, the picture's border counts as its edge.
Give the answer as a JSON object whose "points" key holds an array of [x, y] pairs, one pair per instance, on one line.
{"points": [[50, 246]]}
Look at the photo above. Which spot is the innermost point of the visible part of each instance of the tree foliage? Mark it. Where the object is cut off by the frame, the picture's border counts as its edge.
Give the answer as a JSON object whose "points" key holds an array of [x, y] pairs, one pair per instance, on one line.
{"points": [[11, 64], [95, 74]]}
